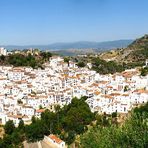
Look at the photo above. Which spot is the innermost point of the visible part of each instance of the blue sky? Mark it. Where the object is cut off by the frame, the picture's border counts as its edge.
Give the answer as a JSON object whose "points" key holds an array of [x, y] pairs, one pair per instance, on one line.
{"points": [[24, 22]]}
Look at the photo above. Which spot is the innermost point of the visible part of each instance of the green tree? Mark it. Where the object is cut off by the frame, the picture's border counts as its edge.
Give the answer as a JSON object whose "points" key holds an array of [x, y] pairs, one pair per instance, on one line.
{"points": [[144, 71], [57, 108], [46, 55], [9, 127], [21, 125], [40, 107], [6, 142], [33, 119], [2, 58], [81, 64], [35, 131], [16, 138], [133, 133], [78, 115], [104, 67], [66, 60], [126, 88], [114, 114], [71, 137]]}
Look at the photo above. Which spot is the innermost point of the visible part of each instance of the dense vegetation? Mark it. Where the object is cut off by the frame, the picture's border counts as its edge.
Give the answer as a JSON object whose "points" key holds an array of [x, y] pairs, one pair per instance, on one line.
{"points": [[104, 67], [66, 122], [137, 52], [81, 64], [76, 119], [139, 55], [24, 59], [133, 133], [13, 137], [144, 71], [21, 60], [142, 54]]}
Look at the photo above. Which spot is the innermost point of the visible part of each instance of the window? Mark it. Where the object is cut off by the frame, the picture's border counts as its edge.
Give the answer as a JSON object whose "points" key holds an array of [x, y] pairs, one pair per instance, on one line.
{"points": [[124, 109]]}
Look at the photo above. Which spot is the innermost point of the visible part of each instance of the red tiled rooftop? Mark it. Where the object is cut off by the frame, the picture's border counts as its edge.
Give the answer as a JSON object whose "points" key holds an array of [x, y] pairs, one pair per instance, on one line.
{"points": [[55, 138]]}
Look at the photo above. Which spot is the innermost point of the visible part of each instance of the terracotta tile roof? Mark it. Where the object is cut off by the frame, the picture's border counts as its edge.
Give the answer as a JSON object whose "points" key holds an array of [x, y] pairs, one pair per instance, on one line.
{"points": [[55, 138], [107, 96], [141, 91], [103, 82], [96, 92], [115, 94], [125, 95], [40, 110]]}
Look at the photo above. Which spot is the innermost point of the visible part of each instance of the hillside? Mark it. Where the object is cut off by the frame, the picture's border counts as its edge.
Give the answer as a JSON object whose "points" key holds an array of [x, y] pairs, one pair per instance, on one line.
{"points": [[33, 59], [137, 51]]}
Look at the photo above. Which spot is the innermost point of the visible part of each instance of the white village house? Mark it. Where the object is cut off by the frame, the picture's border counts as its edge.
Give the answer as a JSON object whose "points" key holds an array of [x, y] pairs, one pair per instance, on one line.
{"points": [[24, 90]]}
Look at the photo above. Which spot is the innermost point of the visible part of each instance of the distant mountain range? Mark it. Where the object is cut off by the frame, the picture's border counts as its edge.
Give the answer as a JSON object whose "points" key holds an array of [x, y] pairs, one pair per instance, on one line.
{"points": [[75, 45]]}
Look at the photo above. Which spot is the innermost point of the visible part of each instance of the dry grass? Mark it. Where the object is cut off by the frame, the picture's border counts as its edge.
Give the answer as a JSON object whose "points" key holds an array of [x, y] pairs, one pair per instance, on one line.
{"points": [[1, 132]]}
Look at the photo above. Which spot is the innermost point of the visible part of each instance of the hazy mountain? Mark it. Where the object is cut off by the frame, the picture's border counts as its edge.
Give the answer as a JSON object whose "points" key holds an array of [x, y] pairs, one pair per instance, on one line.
{"points": [[76, 45]]}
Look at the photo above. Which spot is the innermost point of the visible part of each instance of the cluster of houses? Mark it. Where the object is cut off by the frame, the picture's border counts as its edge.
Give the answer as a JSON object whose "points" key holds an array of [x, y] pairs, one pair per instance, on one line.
{"points": [[27, 92], [3, 51]]}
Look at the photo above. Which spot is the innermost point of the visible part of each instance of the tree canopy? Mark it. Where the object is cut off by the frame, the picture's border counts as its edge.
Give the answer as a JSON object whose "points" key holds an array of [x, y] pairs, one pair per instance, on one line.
{"points": [[133, 133], [9, 127], [26, 59], [104, 67], [77, 119]]}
